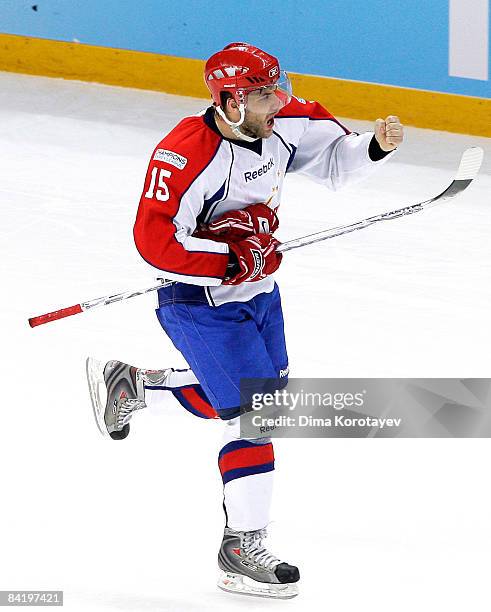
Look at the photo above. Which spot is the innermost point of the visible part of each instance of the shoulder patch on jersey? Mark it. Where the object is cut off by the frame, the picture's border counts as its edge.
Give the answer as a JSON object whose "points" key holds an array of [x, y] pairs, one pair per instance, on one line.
{"points": [[174, 159], [191, 144]]}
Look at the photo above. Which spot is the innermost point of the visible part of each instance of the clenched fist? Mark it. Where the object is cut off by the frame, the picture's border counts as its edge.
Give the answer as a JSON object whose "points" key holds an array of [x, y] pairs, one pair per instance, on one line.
{"points": [[389, 133]]}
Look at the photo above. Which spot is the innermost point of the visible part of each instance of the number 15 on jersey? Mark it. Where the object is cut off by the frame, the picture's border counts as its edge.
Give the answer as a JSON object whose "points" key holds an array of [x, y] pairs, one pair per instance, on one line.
{"points": [[162, 193]]}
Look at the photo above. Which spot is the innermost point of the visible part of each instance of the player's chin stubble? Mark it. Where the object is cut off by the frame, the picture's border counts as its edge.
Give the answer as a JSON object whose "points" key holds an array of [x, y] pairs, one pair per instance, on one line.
{"points": [[255, 128]]}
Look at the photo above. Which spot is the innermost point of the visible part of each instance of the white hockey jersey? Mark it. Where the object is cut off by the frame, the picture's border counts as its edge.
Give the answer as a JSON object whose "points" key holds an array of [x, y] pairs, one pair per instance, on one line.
{"points": [[196, 174]]}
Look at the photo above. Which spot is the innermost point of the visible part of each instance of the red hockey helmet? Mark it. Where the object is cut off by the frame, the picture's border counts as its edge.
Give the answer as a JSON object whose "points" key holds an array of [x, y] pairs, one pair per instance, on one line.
{"points": [[240, 68]]}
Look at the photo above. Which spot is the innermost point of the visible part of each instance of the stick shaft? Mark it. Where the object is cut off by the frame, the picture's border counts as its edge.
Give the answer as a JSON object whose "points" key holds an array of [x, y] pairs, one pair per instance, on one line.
{"points": [[103, 301], [469, 167], [333, 232]]}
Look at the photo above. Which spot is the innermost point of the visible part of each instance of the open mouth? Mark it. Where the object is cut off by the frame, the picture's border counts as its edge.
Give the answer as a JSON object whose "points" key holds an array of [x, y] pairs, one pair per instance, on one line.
{"points": [[270, 122]]}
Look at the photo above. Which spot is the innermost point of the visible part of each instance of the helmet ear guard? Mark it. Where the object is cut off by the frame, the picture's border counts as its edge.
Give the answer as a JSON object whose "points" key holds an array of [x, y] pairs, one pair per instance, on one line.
{"points": [[235, 125], [239, 103]]}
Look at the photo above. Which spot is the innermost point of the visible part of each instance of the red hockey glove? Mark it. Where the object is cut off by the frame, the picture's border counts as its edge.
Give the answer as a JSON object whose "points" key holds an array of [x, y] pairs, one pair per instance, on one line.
{"points": [[238, 224], [256, 258]]}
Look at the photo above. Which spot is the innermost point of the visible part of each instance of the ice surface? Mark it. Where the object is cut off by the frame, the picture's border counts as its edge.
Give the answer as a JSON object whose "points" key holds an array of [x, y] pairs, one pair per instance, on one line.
{"points": [[374, 525]]}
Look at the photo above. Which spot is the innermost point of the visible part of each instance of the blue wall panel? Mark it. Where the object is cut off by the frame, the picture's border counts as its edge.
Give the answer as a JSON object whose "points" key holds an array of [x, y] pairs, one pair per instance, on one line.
{"points": [[402, 43]]}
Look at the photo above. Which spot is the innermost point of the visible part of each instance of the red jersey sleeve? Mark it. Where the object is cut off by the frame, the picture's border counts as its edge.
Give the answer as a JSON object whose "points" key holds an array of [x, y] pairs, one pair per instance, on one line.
{"points": [[172, 199]]}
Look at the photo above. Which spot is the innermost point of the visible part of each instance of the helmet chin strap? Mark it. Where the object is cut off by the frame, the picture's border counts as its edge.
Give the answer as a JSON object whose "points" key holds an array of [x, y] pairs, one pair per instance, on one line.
{"points": [[235, 125]]}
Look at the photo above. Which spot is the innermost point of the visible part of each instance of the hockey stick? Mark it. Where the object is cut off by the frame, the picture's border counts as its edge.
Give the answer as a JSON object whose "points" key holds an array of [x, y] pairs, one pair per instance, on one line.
{"points": [[468, 168]]}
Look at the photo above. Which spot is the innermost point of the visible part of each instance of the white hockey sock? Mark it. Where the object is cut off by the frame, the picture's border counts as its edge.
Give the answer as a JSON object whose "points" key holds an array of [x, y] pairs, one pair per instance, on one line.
{"points": [[164, 387], [157, 396], [247, 468]]}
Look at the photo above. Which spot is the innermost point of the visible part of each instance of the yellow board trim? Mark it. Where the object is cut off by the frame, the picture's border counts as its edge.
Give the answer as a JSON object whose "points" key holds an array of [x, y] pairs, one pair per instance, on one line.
{"points": [[183, 76]]}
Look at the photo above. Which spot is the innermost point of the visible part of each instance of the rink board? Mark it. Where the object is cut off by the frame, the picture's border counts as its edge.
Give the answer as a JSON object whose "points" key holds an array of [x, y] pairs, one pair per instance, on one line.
{"points": [[183, 76]]}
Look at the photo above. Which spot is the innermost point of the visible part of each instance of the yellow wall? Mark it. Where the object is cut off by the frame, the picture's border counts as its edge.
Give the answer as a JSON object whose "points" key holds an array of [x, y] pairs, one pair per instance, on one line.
{"points": [[183, 76]]}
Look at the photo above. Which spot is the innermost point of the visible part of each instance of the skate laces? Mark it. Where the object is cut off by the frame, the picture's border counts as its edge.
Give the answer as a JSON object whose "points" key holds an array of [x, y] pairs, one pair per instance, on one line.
{"points": [[125, 409], [253, 547], [128, 405]]}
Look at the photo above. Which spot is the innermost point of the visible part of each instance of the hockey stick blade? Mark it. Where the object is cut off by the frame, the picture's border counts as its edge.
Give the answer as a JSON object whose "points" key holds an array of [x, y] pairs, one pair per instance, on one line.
{"points": [[469, 166]]}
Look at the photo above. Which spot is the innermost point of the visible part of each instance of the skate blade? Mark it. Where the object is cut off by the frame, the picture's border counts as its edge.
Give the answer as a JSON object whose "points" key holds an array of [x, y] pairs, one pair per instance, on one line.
{"points": [[97, 391], [243, 585]]}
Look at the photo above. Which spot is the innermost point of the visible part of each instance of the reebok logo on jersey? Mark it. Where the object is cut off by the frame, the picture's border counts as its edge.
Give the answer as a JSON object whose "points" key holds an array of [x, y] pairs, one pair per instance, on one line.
{"points": [[251, 176], [174, 159]]}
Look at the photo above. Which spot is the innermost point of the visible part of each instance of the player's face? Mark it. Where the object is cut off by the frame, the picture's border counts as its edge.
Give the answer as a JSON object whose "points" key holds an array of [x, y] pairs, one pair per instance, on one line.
{"points": [[262, 105]]}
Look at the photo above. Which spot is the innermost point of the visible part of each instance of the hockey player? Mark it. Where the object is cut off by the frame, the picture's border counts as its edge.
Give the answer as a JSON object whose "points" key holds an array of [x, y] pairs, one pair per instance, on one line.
{"points": [[206, 219]]}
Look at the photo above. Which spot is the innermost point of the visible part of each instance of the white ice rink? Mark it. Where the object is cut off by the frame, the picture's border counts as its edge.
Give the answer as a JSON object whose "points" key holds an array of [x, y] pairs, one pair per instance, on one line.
{"points": [[374, 525]]}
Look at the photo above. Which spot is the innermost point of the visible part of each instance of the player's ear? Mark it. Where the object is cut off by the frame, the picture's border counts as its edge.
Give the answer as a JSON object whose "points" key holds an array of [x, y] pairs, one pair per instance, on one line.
{"points": [[228, 104]]}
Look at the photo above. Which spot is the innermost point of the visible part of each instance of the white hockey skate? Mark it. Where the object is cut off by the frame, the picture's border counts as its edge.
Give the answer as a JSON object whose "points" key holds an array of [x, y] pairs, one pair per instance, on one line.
{"points": [[247, 568], [117, 390]]}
